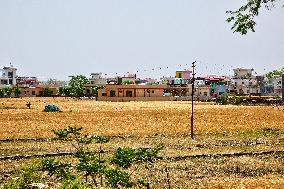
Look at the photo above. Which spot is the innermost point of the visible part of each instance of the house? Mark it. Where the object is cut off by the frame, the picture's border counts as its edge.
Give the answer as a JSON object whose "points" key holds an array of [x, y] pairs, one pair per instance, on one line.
{"points": [[244, 83], [277, 86], [132, 92], [217, 85], [27, 81], [184, 74], [28, 91], [97, 79], [8, 75]]}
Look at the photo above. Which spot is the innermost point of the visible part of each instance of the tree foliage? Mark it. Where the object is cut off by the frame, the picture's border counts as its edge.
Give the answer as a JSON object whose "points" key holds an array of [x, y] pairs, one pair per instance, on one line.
{"points": [[77, 85], [2, 93], [8, 91], [95, 90], [243, 19], [46, 91], [17, 91], [275, 73]]}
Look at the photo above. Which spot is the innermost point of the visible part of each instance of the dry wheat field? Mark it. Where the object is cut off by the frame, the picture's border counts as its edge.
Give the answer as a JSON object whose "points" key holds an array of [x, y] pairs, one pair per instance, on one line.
{"points": [[132, 118], [218, 130]]}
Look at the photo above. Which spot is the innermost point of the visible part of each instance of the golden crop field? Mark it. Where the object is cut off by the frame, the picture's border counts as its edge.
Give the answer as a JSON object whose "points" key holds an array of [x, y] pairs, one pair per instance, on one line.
{"points": [[130, 118], [219, 130]]}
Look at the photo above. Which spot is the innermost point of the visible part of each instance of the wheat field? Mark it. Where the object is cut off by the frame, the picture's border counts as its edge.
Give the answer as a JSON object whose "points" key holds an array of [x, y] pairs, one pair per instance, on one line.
{"points": [[217, 128], [130, 118]]}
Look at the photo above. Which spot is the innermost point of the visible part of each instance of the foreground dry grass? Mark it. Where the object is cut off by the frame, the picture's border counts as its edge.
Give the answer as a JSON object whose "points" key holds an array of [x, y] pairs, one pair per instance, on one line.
{"points": [[219, 129], [133, 118]]}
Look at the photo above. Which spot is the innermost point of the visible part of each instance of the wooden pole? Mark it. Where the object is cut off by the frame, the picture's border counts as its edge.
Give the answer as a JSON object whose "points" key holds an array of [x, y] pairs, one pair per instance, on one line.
{"points": [[192, 96]]}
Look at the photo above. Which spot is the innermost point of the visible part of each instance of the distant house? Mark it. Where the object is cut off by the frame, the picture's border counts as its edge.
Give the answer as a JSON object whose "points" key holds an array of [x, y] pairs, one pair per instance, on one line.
{"points": [[132, 93], [8, 75], [97, 79], [217, 85], [244, 83], [27, 81], [184, 74], [36, 91], [277, 86]]}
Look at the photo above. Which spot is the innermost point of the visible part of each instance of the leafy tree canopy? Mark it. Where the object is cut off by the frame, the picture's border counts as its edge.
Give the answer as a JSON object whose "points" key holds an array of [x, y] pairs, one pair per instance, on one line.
{"points": [[275, 73], [77, 85], [17, 91], [243, 19]]}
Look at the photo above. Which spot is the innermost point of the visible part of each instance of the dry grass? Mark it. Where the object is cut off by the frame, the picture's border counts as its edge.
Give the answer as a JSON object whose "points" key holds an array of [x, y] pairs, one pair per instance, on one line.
{"points": [[219, 129], [133, 118]]}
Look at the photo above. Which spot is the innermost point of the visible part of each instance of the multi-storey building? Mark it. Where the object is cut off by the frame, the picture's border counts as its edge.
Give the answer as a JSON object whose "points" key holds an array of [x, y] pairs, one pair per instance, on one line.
{"points": [[8, 75], [244, 83]]}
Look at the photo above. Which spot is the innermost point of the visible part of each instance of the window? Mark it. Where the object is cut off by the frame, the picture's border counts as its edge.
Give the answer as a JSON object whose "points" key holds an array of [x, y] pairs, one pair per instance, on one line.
{"points": [[104, 94], [153, 91], [129, 93], [33, 92], [112, 93], [205, 93], [10, 74]]}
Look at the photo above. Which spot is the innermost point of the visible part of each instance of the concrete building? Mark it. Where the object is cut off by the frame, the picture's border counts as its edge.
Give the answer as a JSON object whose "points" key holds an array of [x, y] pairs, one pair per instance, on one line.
{"points": [[277, 86], [36, 91], [27, 81], [8, 75], [132, 93], [244, 83], [97, 79]]}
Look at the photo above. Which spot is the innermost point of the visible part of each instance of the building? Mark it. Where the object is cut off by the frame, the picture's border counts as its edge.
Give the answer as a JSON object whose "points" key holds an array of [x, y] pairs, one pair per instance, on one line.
{"points": [[28, 91], [217, 85], [277, 86], [27, 81], [97, 79], [184, 74], [8, 75], [244, 83], [132, 93]]}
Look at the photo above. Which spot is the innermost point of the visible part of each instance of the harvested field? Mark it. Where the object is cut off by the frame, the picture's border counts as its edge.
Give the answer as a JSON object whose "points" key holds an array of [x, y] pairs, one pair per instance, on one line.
{"points": [[133, 118], [218, 130]]}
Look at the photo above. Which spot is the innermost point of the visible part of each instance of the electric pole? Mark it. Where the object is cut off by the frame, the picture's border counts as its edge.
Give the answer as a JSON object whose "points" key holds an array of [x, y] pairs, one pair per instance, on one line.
{"points": [[192, 96]]}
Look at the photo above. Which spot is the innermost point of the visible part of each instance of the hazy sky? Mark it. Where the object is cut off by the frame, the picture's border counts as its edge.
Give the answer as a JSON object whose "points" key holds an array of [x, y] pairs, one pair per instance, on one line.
{"points": [[58, 38]]}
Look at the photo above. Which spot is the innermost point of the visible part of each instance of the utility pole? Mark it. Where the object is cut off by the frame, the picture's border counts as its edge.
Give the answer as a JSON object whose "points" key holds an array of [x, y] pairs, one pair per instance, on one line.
{"points": [[192, 95]]}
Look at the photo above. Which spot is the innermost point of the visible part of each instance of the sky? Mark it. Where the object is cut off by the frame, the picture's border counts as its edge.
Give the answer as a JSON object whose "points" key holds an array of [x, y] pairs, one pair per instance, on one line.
{"points": [[152, 38]]}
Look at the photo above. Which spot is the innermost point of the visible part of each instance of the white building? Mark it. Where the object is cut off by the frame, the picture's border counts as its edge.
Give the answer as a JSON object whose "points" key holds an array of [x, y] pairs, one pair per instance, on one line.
{"points": [[244, 82], [277, 85], [8, 75], [97, 79]]}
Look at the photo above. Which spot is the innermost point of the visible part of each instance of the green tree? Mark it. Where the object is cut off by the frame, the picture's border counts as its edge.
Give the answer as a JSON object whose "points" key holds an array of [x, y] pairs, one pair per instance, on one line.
{"points": [[8, 91], [67, 91], [275, 73], [17, 91], [47, 91], [95, 90], [243, 19], [2, 93], [61, 91], [77, 85]]}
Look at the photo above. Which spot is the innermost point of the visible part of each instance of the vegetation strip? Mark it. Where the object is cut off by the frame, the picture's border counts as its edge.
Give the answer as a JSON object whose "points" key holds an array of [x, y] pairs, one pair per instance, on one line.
{"points": [[177, 158]]}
